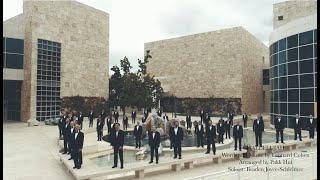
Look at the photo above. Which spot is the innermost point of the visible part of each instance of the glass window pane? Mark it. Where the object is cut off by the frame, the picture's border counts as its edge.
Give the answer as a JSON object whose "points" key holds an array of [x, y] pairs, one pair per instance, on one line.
{"points": [[293, 54], [14, 61], [306, 66], [306, 52], [293, 68], [283, 70], [293, 95], [292, 41], [275, 83], [293, 82], [282, 44], [315, 50], [276, 95], [306, 109], [282, 57], [275, 47], [283, 95], [275, 59], [283, 108], [306, 80], [306, 95], [14, 45], [315, 35], [283, 83], [293, 108], [276, 109], [275, 71], [306, 38]]}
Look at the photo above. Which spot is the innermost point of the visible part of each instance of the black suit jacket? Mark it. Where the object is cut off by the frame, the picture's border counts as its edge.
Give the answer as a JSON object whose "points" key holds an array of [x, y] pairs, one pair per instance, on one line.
{"points": [[177, 138], [117, 141], [211, 134], [100, 127], [62, 121], [80, 118], [91, 115], [188, 118], [245, 117], [137, 133], [125, 120], [227, 124], [298, 126], [78, 142], [311, 125], [103, 115], [279, 125], [237, 133], [196, 130], [66, 130], [220, 128], [154, 142], [133, 114], [258, 128]]}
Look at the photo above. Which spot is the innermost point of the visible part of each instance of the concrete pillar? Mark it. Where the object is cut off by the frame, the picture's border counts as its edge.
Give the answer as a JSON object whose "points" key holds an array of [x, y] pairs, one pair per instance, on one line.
{"points": [[188, 165], [139, 173], [176, 167]]}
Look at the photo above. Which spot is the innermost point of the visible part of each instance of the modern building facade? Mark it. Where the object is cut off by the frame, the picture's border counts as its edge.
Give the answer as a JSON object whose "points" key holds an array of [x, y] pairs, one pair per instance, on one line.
{"points": [[224, 64], [293, 61], [54, 49]]}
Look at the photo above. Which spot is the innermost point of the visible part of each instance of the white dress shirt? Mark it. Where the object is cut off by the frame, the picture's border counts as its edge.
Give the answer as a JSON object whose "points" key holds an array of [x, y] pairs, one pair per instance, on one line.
{"points": [[116, 134], [297, 121], [311, 119], [153, 134], [279, 119], [258, 121], [238, 128], [71, 130], [137, 128], [75, 135], [210, 127], [199, 127], [175, 131]]}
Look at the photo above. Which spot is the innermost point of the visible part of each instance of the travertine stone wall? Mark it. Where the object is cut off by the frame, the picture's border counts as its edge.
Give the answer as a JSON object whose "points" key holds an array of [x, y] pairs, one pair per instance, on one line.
{"points": [[14, 27], [223, 64], [84, 36], [291, 10]]}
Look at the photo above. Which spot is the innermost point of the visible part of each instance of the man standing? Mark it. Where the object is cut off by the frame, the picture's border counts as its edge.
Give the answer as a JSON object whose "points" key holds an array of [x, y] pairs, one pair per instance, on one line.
{"points": [[165, 117], [145, 113], [177, 137], [109, 122], [237, 134], [154, 143], [103, 115], [188, 120], [311, 126], [210, 136], [61, 124], [70, 135], [125, 122], [100, 125], [77, 143], [137, 132], [201, 116], [206, 119], [159, 113], [133, 116], [199, 131], [116, 116], [220, 130], [80, 120], [90, 116], [66, 129], [279, 125], [258, 128], [245, 119], [117, 141], [297, 128], [227, 128], [231, 118]]}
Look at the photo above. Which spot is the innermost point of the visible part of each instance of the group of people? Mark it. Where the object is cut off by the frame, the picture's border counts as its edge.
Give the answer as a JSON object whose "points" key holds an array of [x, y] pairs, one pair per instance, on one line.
{"points": [[204, 130]]}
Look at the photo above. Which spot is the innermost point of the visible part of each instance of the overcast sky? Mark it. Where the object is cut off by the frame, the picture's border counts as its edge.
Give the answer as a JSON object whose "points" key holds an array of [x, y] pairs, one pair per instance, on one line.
{"points": [[134, 22]]}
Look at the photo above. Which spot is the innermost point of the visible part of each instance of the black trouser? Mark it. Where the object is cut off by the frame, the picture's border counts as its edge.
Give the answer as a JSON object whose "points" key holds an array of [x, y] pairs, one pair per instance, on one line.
{"points": [[171, 144], [154, 151], [60, 132], [77, 157], [188, 124], [177, 150], [133, 120], [227, 133], [258, 138], [117, 151], [200, 140], [245, 123], [100, 133], [116, 119], [220, 138], [231, 122], [201, 120], [125, 125], [71, 151], [65, 144], [209, 143], [277, 135], [91, 122], [297, 132], [80, 123], [236, 142], [311, 133], [109, 128], [138, 142]]}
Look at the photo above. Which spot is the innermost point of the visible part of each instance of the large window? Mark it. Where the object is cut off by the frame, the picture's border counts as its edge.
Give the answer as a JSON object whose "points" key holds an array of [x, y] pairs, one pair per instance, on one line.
{"points": [[265, 76], [48, 79], [13, 53]]}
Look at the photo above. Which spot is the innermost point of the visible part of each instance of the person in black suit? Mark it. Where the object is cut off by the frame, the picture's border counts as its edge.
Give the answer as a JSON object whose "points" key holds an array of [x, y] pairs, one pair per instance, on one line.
{"points": [[109, 123], [77, 144], [227, 126], [279, 125], [80, 119], [231, 118], [117, 141], [201, 114], [211, 136], [70, 133], [206, 119], [133, 116], [159, 113], [90, 116], [116, 116], [188, 120], [165, 117], [154, 143], [103, 115], [245, 119], [177, 137], [125, 122], [220, 130], [237, 134], [145, 113], [297, 128], [311, 126], [199, 131], [61, 124], [137, 132], [100, 125], [66, 129], [258, 128]]}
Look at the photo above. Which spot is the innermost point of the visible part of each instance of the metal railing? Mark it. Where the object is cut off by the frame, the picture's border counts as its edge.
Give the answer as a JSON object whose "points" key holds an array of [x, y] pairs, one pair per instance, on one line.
{"points": [[308, 170]]}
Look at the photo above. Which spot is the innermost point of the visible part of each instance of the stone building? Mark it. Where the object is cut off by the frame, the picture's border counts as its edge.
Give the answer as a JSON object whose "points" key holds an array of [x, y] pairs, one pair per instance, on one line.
{"points": [[222, 64], [63, 51], [293, 61]]}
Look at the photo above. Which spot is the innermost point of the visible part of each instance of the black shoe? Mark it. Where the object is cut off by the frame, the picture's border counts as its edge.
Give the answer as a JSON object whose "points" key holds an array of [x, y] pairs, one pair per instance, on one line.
{"points": [[277, 142], [157, 162], [175, 157], [150, 162], [121, 167], [74, 167], [114, 166], [214, 153], [78, 167], [179, 157], [69, 158], [68, 152], [239, 149], [64, 153], [235, 149], [207, 153]]}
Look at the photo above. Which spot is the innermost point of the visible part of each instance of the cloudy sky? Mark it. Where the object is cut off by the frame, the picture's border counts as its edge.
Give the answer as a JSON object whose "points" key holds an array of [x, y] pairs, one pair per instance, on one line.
{"points": [[134, 22]]}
